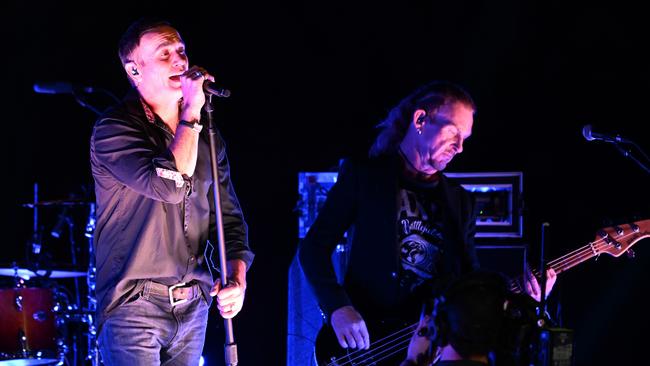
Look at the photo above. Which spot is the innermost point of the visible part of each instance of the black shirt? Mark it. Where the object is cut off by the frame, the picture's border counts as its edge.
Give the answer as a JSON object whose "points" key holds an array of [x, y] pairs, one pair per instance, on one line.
{"points": [[153, 223]]}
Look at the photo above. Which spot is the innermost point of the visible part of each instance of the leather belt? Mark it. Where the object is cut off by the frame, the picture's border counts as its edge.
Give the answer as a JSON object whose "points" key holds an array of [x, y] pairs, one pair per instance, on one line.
{"points": [[177, 294]]}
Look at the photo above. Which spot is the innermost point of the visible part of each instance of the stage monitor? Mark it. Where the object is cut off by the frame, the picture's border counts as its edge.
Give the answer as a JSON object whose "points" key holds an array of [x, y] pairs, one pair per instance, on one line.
{"points": [[499, 202]]}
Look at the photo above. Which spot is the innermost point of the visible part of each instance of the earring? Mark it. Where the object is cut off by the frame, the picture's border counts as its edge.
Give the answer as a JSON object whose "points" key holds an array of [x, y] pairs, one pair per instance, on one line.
{"points": [[421, 121]]}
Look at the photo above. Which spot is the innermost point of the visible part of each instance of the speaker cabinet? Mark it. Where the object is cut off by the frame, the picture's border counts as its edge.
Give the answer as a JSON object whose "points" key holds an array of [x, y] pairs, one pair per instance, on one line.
{"points": [[507, 259]]}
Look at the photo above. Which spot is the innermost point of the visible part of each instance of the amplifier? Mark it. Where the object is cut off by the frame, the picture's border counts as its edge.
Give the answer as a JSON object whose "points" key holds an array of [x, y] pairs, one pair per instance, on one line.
{"points": [[507, 259]]}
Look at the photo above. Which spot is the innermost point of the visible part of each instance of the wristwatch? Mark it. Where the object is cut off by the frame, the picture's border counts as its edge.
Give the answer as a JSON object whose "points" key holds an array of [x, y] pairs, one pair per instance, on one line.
{"points": [[195, 125]]}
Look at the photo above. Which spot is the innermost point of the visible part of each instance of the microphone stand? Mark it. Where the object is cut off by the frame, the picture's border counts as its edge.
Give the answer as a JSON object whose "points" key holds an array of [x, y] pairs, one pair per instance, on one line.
{"points": [[628, 154], [542, 272], [543, 359], [85, 104], [230, 346]]}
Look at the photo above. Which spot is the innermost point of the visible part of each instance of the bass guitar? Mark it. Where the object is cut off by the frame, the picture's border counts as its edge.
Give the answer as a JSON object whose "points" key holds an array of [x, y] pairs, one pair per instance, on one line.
{"points": [[393, 336]]}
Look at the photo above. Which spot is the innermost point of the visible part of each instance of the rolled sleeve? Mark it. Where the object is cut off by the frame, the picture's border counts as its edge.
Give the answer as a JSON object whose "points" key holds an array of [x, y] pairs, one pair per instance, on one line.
{"points": [[123, 150]]}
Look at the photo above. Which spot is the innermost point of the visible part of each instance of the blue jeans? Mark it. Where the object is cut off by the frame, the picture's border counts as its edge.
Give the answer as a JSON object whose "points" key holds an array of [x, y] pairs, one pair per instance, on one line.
{"points": [[148, 331]]}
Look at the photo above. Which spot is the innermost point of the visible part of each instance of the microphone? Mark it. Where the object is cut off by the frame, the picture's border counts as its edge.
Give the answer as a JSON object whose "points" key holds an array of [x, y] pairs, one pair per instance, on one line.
{"points": [[214, 89], [61, 87], [591, 136]]}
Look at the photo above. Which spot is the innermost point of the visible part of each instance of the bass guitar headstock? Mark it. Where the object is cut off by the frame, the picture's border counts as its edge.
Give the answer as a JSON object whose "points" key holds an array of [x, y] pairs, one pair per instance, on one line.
{"points": [[616, 240]]}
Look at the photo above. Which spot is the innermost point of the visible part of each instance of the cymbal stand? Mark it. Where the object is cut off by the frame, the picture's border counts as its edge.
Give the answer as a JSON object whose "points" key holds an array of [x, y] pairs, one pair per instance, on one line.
{"points": [[93, 349], [36, 238], [73, 259]]}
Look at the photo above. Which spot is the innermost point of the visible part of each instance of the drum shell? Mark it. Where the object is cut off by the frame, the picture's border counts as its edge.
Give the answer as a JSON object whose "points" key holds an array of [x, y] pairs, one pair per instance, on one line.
{"points": [[27, 312]]}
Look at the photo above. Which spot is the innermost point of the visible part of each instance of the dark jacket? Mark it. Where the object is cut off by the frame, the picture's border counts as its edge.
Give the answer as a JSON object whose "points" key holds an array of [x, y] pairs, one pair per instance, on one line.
{"points": [[151, 227], [365, 198]]}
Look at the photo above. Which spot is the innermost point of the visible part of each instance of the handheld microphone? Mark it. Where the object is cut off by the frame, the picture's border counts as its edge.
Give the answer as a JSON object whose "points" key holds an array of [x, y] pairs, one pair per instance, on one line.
{"points": [[214, 89], [591, 136], [61, 87]]}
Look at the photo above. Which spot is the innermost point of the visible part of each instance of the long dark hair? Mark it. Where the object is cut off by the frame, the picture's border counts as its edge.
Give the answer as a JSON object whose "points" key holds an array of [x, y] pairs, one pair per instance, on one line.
{"points": [[430, 98]]}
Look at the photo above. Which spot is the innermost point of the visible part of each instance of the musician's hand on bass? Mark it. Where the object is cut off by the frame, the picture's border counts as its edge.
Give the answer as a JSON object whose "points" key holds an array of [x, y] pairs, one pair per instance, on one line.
{"points": [[350, 328]]}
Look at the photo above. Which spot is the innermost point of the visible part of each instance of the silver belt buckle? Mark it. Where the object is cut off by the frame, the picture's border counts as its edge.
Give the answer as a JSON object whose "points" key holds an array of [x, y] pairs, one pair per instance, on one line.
{"points": [[171, 296]]}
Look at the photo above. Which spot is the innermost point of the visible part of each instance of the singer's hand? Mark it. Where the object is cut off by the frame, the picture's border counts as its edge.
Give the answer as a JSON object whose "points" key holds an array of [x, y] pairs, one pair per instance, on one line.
{"points": [[193, 96], [230, 299]]}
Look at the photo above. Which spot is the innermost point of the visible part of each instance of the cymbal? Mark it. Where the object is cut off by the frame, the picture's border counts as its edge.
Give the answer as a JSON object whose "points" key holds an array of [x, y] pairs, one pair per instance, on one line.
{"points": [[28, 273], [73, 202]]}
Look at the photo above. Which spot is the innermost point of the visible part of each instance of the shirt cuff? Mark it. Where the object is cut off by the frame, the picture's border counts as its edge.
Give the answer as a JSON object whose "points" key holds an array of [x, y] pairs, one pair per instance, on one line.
{"points": [[171, 175]]}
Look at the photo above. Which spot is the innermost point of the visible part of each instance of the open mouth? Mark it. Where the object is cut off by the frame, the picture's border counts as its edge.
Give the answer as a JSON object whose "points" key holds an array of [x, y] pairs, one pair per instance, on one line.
{"points": [[177, 77]]}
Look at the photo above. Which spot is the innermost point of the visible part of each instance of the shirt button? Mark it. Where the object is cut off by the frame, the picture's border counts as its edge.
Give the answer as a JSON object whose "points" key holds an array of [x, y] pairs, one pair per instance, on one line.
{"points": [[192, 258], [393, 274]]}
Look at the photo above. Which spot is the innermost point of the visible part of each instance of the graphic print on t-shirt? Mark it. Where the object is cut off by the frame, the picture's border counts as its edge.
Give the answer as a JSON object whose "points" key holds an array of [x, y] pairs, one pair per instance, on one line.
{"points": [[420, 238]]}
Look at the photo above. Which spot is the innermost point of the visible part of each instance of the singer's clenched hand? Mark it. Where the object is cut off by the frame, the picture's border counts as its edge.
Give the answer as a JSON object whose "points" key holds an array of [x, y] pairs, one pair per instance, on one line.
{"points": [[193, 95], [230, 299]]}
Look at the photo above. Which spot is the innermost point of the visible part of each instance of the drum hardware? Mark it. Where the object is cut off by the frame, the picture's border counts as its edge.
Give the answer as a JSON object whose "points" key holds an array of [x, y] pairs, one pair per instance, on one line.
{"points": [[19, 303], [43, 321], [92, 346], [30, 335], [70, 202], [26, 273]]}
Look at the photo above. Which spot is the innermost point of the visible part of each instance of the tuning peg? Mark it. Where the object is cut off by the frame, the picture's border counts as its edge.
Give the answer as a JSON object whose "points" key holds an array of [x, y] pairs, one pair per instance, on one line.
{"points": [[630, 253], [619, 230], [602, 234], [635, 227]]}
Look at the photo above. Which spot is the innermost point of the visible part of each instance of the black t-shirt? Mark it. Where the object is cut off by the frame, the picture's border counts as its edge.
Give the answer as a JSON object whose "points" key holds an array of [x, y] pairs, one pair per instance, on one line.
{"points": [[420, 232]]}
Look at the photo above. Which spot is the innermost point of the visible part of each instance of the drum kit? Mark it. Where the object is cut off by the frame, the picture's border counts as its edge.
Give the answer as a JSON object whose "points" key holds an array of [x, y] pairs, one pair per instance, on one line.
{"points": [[47, 311]]}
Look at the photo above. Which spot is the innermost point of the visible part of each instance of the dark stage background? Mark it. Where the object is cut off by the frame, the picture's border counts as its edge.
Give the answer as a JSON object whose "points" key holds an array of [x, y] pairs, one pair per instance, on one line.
{"points": [[309, 82]]}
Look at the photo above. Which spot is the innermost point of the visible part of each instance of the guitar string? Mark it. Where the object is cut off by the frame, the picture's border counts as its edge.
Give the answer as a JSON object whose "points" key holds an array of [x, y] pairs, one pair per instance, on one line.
{"points": [[404, 347], [378, 344], [590, 248], [575, 257], [394, 352], [377, 348], [559, 265], [378, 351], [371, 357], [372, 354], [515, 284], [597, 246]]}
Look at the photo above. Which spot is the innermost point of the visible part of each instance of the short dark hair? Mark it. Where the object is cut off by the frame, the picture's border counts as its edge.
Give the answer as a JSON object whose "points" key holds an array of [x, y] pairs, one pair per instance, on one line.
{"points": [[430, 98], [131, 38]]}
